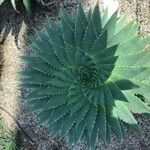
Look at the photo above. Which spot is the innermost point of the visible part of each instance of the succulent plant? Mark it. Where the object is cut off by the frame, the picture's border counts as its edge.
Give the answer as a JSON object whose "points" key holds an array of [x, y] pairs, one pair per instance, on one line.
{"points": [[8, 139], [85, 73], [30, 4]]}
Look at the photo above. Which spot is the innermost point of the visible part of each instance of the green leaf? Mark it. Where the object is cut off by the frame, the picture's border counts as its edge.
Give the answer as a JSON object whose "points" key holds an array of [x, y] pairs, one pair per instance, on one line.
{"points": [[28, 73], [79, 28], [107, 61], [76, 106], [35, 94], [58, 113], [83, 112], [83, 59], [53, 90], [101, 122], [116, 92], [82, 16], [28, 5], [136, 105], [68, 122], [109, 102], [142, 43], [74, 94], [114, 123], [89, 36], [91, 115], [14, 4], [56, 128], [96, 96], [104, 17], [71, 136], [123, 35], [123, 83], [108, 134], [55, 36], [93, 138], [39, 65], [111, 26], [1, 1], [97, 19], [131, 60], [67, 27], [99, 44], [121, 23], [145, 61], [108, 52], [78, 132], [44, 116], [55, 101], [125, 115], [128, 47], [38, 104], [128, 72], [39, 79], [61, 54]]}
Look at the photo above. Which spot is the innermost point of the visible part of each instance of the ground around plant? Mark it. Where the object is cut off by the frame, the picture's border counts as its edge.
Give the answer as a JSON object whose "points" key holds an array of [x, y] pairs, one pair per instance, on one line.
{"points": [[16, 32]]}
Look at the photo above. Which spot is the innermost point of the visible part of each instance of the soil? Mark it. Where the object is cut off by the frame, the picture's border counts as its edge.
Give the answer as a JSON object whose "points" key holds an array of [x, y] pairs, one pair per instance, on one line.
{"points": [[16, 32]]}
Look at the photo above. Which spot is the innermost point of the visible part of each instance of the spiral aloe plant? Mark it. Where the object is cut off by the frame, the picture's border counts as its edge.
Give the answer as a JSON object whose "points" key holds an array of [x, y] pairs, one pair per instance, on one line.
{"points": [[85, 73]]}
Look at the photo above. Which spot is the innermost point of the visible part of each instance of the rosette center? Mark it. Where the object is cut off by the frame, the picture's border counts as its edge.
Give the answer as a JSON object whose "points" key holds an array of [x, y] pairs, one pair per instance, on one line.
{"points": [[87, 76]]}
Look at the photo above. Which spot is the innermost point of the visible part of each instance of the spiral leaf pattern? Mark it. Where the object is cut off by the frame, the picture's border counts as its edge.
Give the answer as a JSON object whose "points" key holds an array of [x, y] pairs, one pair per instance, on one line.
{"points": [[85, 74]]}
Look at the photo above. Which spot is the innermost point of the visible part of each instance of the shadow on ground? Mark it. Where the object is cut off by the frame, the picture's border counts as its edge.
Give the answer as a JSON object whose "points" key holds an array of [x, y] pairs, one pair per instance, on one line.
{"points": [[11, 26]]}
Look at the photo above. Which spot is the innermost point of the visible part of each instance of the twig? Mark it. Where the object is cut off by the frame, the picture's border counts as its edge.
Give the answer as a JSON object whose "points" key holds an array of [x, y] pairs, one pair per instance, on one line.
{"points": [[18, 124]]}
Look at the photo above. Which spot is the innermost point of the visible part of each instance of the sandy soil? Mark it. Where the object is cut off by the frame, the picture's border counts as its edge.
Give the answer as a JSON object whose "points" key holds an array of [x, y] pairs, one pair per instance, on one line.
{"points": [[16, 31]]}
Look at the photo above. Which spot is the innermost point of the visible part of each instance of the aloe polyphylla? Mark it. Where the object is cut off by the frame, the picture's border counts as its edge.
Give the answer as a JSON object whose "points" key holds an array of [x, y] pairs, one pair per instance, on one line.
{"points": [[85, 75]]}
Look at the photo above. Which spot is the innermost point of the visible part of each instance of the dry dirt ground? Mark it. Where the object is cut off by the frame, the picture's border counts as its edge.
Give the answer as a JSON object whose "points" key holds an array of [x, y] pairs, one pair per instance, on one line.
{"points": [[16, 31]]}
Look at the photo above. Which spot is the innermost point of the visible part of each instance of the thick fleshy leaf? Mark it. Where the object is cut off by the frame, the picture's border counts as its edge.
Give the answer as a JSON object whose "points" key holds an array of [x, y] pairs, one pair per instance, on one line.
{"points": [[38, 64], [131, 60], [93, 138], [123, 35], [108, 52], [68, 122], [55, 101], [112, 119], [89, 36], [97, 20], [91, 115], [99, 44], [116, 92], [28, 5], [56, 128], [58, 113], [136, 105], [124, 114], [101, 122], [79, 132], [67, 27], [121, 23], [44, 116], [14, 4], [82, 16], [111, 26], [83, 112], [1, 1]]}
